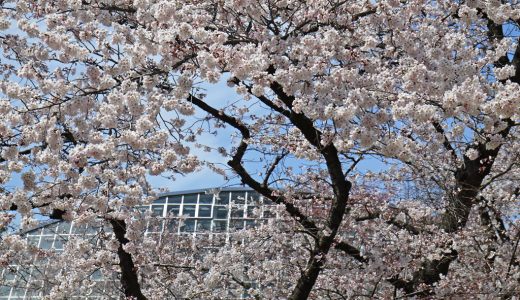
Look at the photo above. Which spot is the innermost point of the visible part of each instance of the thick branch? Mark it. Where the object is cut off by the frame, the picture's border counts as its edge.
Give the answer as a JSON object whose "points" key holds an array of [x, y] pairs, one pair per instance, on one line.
{"points": [[429, 273], [129, 279], [340, 185], [469, 178]]}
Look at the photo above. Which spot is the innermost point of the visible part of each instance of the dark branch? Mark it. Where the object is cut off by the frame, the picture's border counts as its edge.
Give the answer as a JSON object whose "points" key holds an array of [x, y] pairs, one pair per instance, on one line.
{"points": [[129, 278]]}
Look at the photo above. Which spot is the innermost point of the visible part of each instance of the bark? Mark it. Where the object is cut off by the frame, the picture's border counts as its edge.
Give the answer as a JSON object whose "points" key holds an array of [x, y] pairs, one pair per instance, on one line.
{"points": [[129, 279]]}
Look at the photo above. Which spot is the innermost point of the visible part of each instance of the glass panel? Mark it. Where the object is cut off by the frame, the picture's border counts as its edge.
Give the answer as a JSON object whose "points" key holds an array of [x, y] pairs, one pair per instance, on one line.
{"points": [[92, 228], [204, 211], [206, 198], [50, 229], [37, 274], [238, 197], [59, 243], [191, 198], [203, 225], [9, 274], [223, 198], [157, 210], [96, 275], [173, 210], [33, 240], [253, 211], [23, 273], [237, 212], [188, 226], [171, 225], [250, 224], [18, 292], [46, 242], [188, 210], [64, 228], [5, 290], [160, 200], [175, 199], [35, 232], [107, 227], [253, 197], [220, 212], [79, 229], [219, 226]]}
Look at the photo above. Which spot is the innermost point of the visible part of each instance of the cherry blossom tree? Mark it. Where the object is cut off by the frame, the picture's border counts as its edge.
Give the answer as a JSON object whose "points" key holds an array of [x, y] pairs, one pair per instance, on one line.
{"points": [[97, 96]]}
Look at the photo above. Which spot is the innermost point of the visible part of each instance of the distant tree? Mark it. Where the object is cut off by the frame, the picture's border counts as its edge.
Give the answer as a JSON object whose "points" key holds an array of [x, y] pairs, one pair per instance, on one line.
{"points": [[97, 95]]}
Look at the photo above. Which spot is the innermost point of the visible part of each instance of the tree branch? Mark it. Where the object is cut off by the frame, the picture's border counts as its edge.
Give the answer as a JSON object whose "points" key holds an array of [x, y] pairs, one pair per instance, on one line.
{"points": [[129, 278]]}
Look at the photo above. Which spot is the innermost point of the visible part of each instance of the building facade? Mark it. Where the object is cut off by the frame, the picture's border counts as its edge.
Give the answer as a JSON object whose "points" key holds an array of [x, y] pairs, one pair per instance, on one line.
{"points": [[192, 214]]}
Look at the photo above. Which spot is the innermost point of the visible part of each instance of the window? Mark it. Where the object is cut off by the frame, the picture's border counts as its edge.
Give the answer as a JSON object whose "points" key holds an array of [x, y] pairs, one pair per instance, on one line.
{"points": [[9, 273], [173, 210], [238, 197], [79, 229], [160, 200], [59, 243], [33, 240], [96, 275], [175, 199], [171, 225], [223, 198], [220, 212], [92, 229], [250, 224], [253, 198], [63, 228], [50, 229], [237, 212], [206, 198], [35, 232], [4, 291], [46, 242], [203, 225], [18, 292], [253, 211], [191, 198], [157, 210], [219, 226], [204, 211], [188, 210], [188, 226]]}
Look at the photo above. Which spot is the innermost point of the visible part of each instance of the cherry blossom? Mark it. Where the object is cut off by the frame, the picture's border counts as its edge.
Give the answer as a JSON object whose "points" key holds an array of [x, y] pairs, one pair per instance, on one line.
{"points": [[98, 97]]}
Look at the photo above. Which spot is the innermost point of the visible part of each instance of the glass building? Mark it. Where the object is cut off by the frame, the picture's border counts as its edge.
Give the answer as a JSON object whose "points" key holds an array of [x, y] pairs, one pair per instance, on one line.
{"points": [[194, 213]]}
